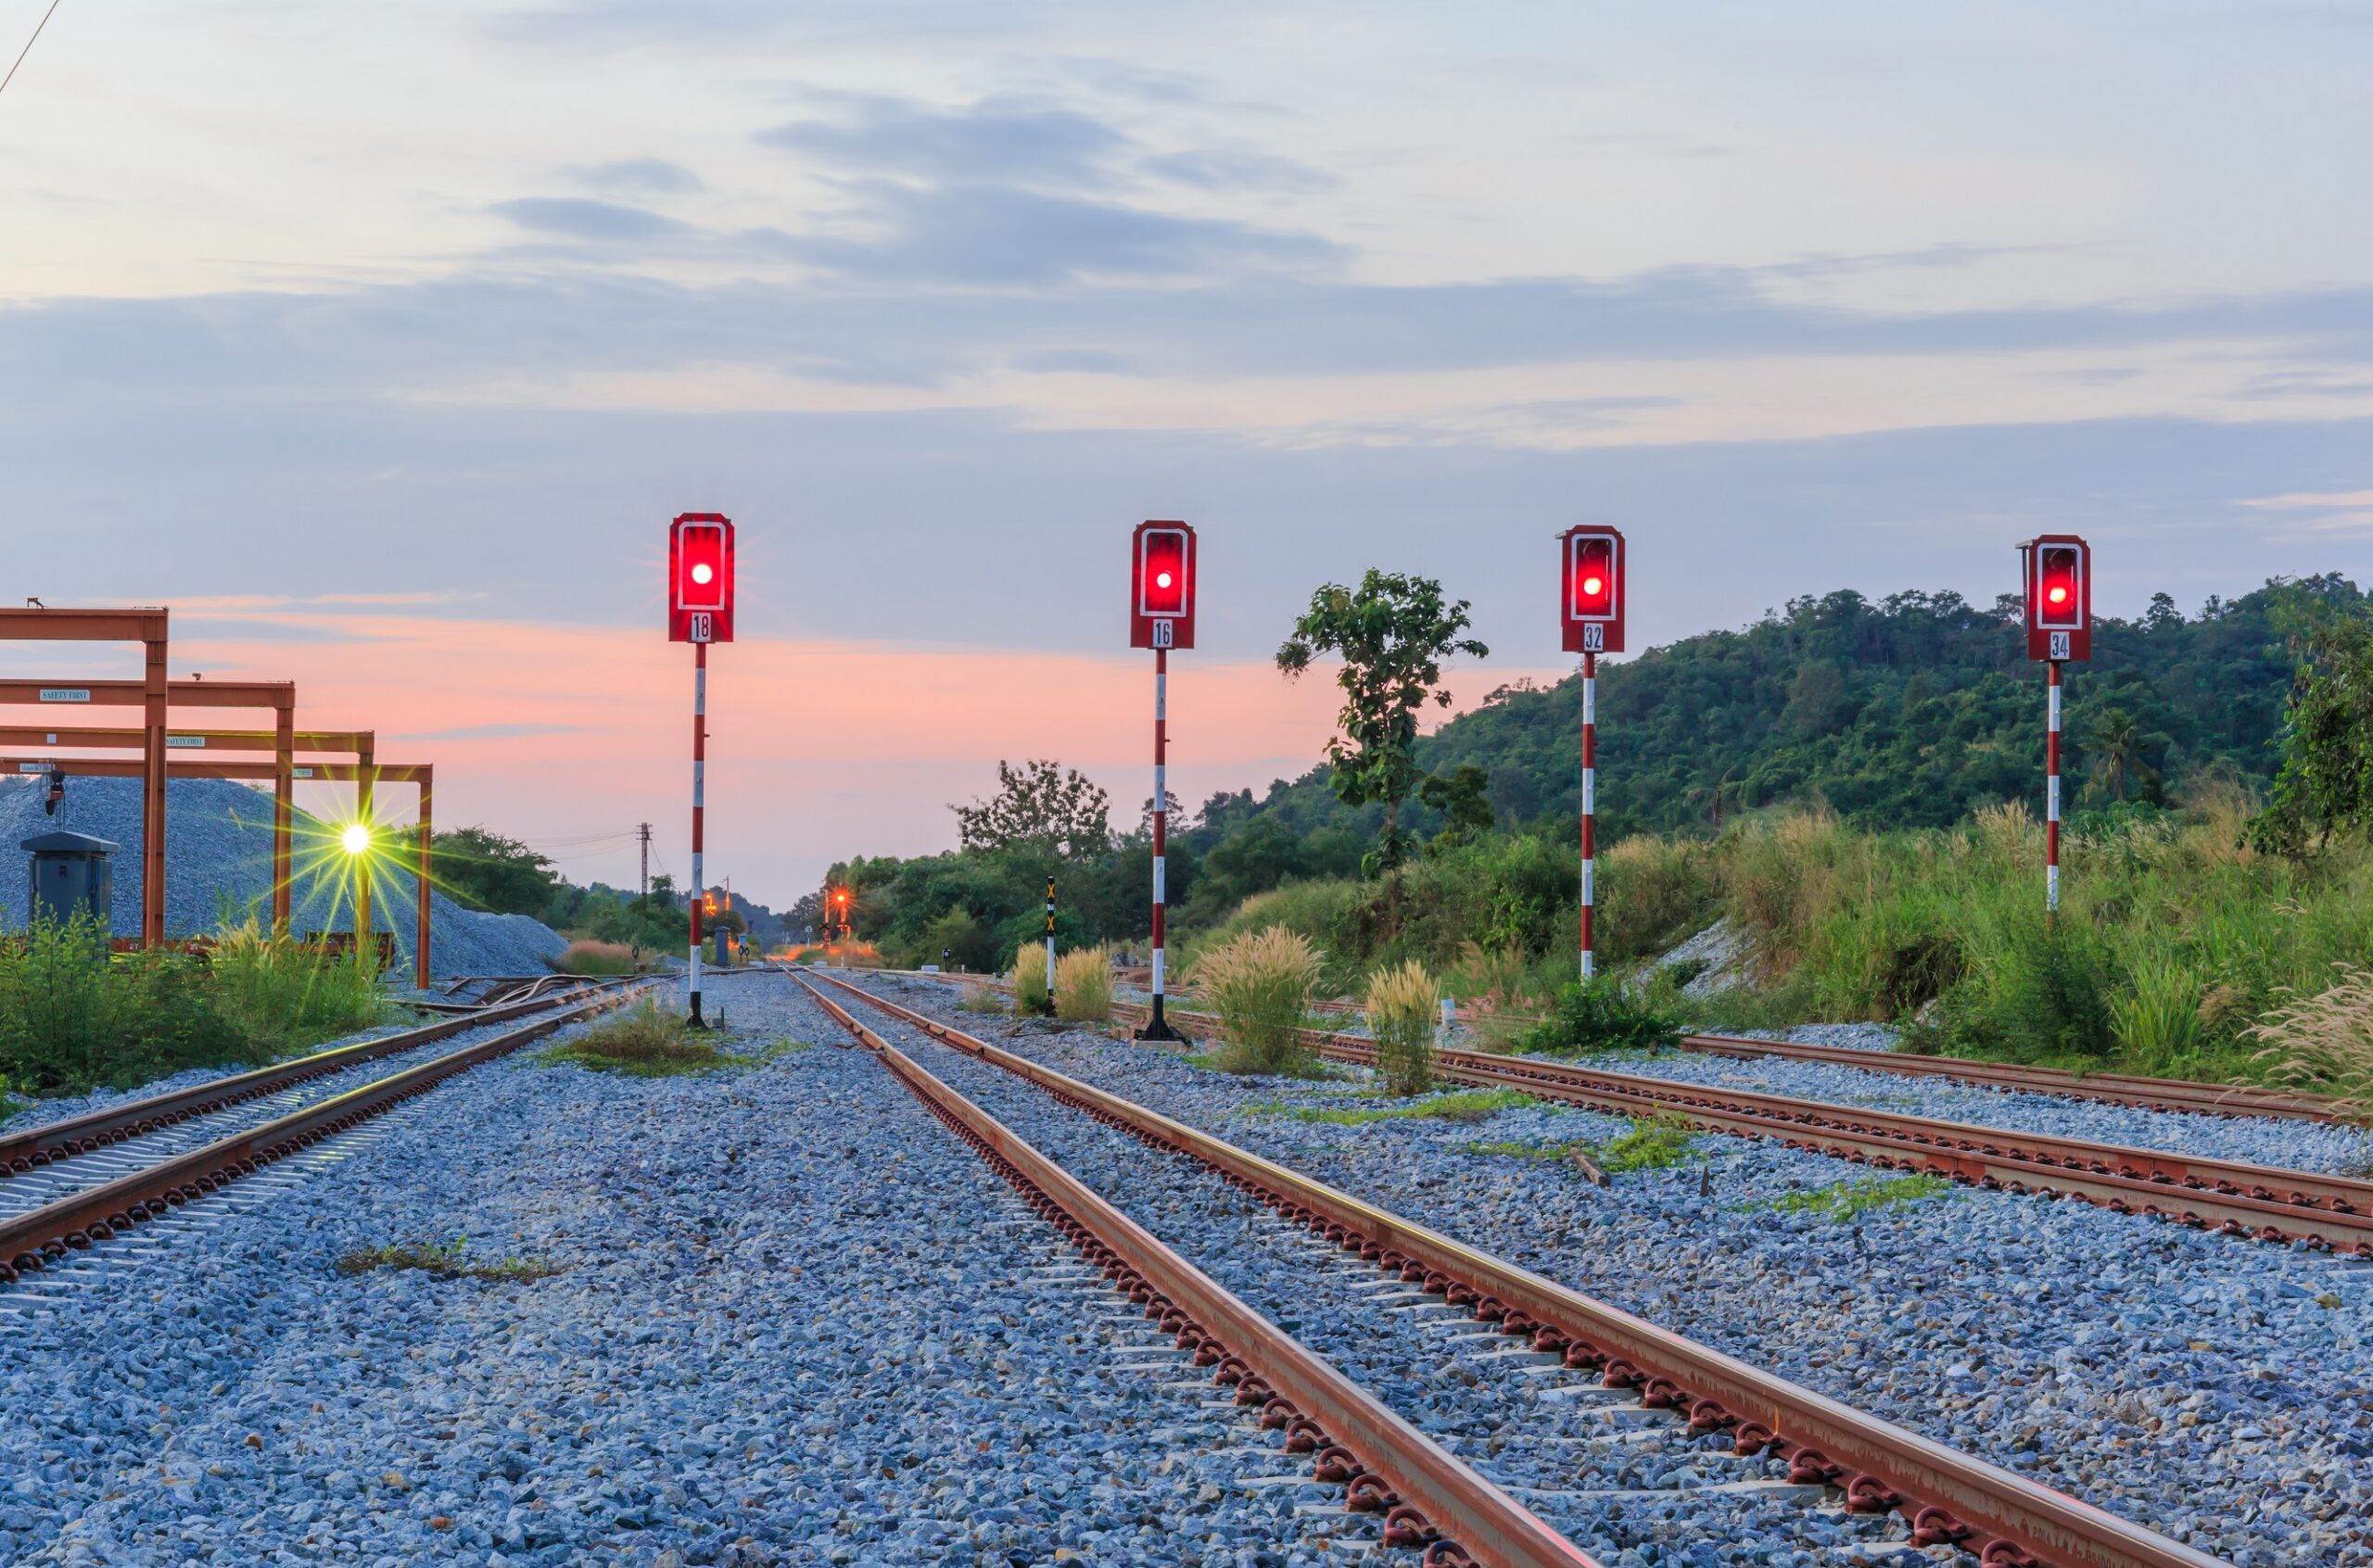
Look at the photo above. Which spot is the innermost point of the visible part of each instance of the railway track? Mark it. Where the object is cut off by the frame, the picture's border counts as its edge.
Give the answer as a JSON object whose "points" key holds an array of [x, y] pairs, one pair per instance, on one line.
{"points": [[106, 1173], [2266, 1202], [1945, 1498], [2133, 1090]]}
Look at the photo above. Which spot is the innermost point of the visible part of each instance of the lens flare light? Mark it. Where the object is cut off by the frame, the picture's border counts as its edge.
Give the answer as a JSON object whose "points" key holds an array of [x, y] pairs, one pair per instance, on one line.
{"points": [[356, 840]]}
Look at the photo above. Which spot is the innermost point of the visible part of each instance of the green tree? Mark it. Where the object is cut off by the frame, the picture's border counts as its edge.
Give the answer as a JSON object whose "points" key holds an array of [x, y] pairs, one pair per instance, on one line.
{"points": [[1392, 633], [488, 871], [2115, 748], [1463, 797], [1040, 805], [2326, 787]]}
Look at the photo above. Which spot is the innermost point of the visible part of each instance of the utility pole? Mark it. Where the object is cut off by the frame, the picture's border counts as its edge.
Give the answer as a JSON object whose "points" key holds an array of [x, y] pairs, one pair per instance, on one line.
{"points": [[642, 831]]}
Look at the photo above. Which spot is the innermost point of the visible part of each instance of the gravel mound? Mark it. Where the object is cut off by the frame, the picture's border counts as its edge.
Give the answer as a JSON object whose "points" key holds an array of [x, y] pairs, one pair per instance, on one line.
{"points": [[2210, 1387], [797, 1323], [218, 858]]}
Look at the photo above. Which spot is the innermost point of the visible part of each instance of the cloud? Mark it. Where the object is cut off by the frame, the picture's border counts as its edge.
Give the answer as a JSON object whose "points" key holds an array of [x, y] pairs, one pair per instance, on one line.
{"points": [[654, 176], [1239, 170], [994, 235], [583, 219], [1007, 140]]}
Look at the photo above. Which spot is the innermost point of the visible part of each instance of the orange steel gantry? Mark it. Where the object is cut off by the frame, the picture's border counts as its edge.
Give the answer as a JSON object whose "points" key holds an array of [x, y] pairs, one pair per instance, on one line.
{"points": [[150, 693]]}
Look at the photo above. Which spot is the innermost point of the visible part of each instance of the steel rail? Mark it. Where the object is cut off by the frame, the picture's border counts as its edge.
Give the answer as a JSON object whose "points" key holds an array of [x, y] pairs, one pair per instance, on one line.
{"points": [[2005, 1520], [30, 1241], [2133, 1090], [2263, 1201], [1425, 1492], [2111, 1088], [76, 1135]]}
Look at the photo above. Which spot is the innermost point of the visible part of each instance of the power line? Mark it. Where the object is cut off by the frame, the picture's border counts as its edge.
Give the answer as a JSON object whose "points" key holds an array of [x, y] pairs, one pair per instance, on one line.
{"points": [[29, 46]]}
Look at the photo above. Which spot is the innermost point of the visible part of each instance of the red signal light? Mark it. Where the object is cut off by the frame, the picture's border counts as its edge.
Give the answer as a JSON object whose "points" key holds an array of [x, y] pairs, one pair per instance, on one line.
{"points": [[1592, 569], [1161, 588], [700, 578], [2060, 598]]}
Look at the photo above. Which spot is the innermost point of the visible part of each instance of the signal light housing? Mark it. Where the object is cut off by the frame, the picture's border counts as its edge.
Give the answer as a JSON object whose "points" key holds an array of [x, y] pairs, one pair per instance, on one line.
{"points": [[1161, 586], [1591, 568], [2059, 598], [700, 578]]}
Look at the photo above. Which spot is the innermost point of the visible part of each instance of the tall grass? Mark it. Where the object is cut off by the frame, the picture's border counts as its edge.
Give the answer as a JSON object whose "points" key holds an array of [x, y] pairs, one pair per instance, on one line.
{"points": [[1084, 986], [285, 997], [1260, 982], [1403, 1006], [587, 956], [1028, 977], [72, 1017], [2174, 936], [2325, 1041]]}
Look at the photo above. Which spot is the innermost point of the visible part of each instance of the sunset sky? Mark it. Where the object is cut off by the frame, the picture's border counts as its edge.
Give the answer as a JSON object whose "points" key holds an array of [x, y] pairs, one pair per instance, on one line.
{"points": [[382, 342]]}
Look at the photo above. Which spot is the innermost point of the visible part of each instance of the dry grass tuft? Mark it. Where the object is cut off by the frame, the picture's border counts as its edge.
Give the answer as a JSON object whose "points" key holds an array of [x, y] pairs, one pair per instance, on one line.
{"points": [[588, 957], [2324, 1042], [1261, 984], [1402, 1006], [1028, 977], [1084, 985]]}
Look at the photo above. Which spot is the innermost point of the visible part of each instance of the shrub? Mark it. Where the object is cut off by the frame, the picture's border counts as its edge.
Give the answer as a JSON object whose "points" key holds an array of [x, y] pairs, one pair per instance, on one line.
{"points": [[1403, 1006], [646, 1040], [284, 997], [1600, 1013], [2325, 1042], [586, 957], [1084, 986], [1259, 984], [72, 1018], [2159, 1021], [1028, 976]]}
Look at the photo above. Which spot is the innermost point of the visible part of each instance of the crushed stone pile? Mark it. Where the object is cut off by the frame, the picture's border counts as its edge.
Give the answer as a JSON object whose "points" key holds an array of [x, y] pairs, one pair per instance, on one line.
{"points": [[218, 867]]}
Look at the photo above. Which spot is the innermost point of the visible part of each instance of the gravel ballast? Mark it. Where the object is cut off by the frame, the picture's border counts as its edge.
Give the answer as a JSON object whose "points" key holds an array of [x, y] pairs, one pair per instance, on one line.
{"points": [[2218, 1390], [796, 1322]]}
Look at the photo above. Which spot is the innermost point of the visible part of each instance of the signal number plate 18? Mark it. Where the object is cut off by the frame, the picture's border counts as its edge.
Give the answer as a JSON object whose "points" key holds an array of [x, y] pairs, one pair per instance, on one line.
{"points": [[703, 627]]}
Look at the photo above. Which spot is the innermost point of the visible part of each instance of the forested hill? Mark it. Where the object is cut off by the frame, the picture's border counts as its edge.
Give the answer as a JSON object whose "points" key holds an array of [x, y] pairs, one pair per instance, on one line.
{"points": [[1909, 711]]}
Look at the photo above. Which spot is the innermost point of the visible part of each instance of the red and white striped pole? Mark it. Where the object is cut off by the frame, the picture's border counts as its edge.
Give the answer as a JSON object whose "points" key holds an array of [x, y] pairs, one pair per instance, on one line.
{"points": [[2051, 801], [1590, 803], [700, 771], [1157, 1029]]}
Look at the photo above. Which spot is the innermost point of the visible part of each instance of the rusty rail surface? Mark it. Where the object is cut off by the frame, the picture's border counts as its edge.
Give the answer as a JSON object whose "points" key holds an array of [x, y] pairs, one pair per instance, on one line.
{"points": [[79, 1220], [57, 1141], [2263, 1201], [2005, 1520], [1428, 1495], [2111, 1088]]}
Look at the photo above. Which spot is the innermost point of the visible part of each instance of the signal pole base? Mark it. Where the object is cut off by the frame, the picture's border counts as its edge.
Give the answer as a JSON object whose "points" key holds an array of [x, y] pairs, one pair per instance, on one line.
{"points": [[1158, 1028], [696, 1021]]}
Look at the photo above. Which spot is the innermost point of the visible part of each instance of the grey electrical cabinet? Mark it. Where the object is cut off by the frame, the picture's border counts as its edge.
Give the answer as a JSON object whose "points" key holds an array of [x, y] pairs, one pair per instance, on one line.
{"points": [[71, 875]]}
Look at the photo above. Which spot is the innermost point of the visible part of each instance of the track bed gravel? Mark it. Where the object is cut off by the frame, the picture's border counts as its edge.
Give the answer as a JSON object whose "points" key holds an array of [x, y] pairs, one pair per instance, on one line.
{"points": [[1628, 1484], [2219, 1390], [797, 1322]]}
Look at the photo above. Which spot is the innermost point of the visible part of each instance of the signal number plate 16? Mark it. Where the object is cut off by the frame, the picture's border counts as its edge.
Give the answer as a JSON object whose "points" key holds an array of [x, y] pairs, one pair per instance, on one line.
{"points": [[1161, 634]]}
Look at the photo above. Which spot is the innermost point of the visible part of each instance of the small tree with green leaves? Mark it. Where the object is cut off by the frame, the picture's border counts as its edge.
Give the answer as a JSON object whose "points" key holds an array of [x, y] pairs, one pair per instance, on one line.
{"points": [[2324, 789], [1392, 633]]}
